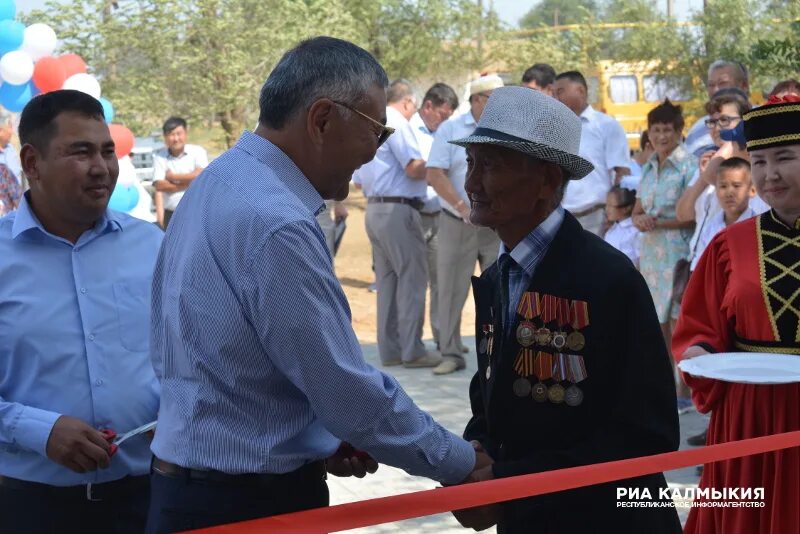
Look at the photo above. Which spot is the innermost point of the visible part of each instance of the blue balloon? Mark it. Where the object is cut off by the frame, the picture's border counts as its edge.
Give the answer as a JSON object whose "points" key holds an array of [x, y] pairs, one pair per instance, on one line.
{"points": [[7, 10], [124, 198], [12, 34], [14, 97], [108, 109]]}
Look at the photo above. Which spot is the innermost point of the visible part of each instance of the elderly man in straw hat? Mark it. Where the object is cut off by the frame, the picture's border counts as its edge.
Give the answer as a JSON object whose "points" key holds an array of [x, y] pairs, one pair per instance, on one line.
{"points": [[572, 367]]}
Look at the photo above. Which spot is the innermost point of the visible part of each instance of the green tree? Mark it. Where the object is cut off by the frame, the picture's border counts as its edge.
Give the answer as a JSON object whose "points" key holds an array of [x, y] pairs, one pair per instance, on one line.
{"points": [[557, 12]]}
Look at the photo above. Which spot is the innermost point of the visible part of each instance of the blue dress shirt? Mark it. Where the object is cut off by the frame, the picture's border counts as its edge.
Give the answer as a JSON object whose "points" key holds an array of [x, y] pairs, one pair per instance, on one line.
{"points": [[260, 369], [74, 341], [527, 255]]}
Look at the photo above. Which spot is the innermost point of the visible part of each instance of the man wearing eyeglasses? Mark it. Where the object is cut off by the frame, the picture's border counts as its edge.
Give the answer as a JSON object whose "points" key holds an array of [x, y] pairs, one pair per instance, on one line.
{"points": [[394, 227], [262, 377]]}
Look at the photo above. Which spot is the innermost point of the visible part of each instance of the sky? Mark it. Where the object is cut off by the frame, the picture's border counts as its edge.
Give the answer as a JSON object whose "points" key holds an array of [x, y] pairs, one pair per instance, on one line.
{"points": [[510, 11]]}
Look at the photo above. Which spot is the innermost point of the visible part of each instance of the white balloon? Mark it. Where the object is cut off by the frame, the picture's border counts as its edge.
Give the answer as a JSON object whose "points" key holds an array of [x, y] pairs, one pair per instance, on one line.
{"points": [[16, 67], [40, 40], [127, 172], [85, 83]]}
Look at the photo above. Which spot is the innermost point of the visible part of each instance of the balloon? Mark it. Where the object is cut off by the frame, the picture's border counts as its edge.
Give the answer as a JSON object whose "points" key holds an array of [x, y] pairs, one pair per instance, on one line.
{"points": [[39, 40], [14, 97], [85, 83], [49, 74], [124, 198], [108, 109], [123, 139], [127, 172], [7, 10], [16, 67], [12, 34], [73, 64]]}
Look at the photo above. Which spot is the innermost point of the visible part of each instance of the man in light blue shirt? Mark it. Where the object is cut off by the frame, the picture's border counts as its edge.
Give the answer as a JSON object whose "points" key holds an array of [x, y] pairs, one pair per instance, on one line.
{"points": [[74, 309], [261, 374]]}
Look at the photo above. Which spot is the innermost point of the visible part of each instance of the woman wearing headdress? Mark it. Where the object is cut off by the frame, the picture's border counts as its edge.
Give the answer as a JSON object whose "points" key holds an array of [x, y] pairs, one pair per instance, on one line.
{"points": [[744, 296]]}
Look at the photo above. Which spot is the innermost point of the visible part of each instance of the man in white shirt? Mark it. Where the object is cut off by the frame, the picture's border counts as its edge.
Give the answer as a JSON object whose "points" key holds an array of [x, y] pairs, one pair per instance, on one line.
{"points": [[394, 226], [460, 243], [174, 168], [8, 154], [603, 142], [540, 77], [438, 104], [721, 75]]}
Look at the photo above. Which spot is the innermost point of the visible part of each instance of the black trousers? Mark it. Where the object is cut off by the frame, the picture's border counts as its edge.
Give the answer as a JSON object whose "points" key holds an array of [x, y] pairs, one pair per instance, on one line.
{"points": [[167, 217], [184, 503], [38, 508]]}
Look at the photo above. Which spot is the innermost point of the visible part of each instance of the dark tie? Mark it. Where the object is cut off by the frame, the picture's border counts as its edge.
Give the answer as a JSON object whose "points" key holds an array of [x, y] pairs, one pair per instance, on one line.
{"points": [[504, 263]]}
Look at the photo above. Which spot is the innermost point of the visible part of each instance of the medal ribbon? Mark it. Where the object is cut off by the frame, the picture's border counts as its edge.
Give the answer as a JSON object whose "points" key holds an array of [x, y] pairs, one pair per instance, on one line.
{"points": [[544, 365], [549, 305], [524, 308], [579, 314], [576, 368], [563, 312], [523, 365], [559, 367]]}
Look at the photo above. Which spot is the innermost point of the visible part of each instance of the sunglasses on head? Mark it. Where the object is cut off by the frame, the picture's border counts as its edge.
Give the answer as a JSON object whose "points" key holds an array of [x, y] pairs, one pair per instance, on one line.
{"points": [[386, 131]]}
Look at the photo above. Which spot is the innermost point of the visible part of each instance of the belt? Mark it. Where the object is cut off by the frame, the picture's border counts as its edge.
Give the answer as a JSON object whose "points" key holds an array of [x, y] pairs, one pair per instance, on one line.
{"points": [[312, 472], [773, 347], [90, 492], [415, 203], [587, 211]]}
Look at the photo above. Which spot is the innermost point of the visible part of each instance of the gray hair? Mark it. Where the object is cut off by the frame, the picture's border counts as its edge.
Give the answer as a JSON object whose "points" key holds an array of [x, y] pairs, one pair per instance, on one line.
{"points": [[399, 90], [740, 72], [6, 118], [321, 67]]}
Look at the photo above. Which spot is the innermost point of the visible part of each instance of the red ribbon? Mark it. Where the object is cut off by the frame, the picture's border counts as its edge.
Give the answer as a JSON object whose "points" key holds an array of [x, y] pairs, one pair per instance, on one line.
{"points": [[436, 501]]}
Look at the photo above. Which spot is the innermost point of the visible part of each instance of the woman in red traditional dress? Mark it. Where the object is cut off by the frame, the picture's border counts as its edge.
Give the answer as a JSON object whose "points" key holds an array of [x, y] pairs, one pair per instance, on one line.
{"points": [[744, 296]]}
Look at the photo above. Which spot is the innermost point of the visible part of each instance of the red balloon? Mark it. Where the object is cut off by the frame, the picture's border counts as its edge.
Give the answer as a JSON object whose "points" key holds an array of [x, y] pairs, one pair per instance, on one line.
{"points": [[123, 139], [49, 74], [73, 64]]}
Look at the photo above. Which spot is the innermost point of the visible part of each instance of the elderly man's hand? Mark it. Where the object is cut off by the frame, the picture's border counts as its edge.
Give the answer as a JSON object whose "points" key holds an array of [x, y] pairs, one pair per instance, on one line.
{"points": [[348, 462], [644, 223], [77, 446]]}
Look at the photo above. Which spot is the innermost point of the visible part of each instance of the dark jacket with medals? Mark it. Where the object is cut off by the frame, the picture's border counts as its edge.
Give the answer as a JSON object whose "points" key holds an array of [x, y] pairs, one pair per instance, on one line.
{"points": [[608, 395]]}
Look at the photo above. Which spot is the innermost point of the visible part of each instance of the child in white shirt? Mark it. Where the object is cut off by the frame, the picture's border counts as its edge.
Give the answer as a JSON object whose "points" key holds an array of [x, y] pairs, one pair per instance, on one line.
{"points": [[734, 192], [622, 235]]}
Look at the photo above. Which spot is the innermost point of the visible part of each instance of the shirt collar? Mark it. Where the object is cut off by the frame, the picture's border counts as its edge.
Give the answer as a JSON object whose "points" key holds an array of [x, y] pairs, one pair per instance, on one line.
{"points": [[289, 173], [626, 223], [529, 252], [588, 113], [26, 220], [677, 155], [417, 122], [469, 119]]}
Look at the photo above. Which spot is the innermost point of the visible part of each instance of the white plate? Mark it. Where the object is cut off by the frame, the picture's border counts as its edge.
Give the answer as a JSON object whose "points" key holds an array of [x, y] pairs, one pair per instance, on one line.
{"points": [[745, 367]]}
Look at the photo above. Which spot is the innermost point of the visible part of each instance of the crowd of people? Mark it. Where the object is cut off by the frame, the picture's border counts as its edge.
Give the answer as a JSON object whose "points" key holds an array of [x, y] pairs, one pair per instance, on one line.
{"points": [[232, 331]]}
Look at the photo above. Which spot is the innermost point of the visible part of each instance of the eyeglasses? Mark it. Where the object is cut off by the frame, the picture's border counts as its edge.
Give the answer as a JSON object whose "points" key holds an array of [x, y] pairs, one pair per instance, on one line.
{"points": [[386, 131], [724, 121]]}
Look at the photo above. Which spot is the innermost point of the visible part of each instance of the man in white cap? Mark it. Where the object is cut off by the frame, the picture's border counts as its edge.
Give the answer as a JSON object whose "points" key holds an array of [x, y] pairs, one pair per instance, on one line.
{"points": [[394, 226], [460, 243], [572, 366]]}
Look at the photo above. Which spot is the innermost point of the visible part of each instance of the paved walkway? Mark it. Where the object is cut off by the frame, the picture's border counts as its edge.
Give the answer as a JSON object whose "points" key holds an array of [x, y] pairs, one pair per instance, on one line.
{"points": [[446, 399]]}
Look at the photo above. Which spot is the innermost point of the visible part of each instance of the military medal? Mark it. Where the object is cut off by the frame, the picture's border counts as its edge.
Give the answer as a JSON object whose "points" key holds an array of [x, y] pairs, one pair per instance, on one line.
{"points": [[487, 346], [488, 372], [555, 394], [549, 308], [522, 387], [526, 333], [576, 372], [579, 319], [573, 396], [543, 337], [539, 392], [576, 341], [563, 319], [523, 365]]}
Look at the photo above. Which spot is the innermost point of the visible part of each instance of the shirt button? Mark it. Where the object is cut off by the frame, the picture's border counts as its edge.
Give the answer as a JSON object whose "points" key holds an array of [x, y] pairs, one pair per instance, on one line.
{"points": [[91, 337], [98, 382], [83, 290]]}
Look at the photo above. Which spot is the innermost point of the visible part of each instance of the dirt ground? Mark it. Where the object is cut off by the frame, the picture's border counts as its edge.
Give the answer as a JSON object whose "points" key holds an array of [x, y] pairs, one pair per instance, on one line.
{"points": [[354, 268]]}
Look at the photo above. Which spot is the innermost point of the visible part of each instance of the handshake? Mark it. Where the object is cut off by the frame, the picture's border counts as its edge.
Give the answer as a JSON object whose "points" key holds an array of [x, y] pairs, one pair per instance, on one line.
{"points": [[347, 461]]}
